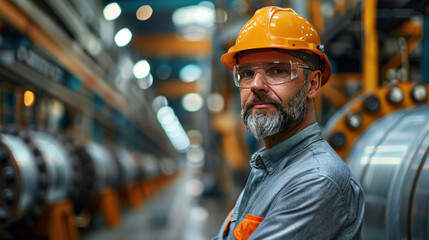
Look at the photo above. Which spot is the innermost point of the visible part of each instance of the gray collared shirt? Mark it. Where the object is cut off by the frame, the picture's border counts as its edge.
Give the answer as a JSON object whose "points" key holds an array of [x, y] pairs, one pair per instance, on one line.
{"points": [[299, 189]]}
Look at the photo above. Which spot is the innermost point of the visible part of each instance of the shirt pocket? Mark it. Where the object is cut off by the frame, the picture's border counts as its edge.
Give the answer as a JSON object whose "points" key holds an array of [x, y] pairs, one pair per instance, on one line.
{"points": [[247, 227], [228, 222]]}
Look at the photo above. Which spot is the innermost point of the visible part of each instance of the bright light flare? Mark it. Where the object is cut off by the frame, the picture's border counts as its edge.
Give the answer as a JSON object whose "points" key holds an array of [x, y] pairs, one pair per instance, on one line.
{"points": [[29, 98], [172, 127], [112, 11], [141, 69], [192, 102], [190, 73], [144, 12], [123, 37]]}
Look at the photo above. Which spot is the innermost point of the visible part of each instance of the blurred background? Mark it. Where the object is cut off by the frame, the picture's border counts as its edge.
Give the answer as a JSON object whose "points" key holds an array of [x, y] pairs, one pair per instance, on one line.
{"points": [[118, 120]]}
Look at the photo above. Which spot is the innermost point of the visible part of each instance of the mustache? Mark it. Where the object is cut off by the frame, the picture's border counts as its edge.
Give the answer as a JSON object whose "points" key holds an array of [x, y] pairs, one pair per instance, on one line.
{"points": [[258, 99]]}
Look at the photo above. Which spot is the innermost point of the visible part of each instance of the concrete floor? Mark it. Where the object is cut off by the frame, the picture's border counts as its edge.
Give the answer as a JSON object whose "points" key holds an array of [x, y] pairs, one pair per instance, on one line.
{"points": [[175, 213]]}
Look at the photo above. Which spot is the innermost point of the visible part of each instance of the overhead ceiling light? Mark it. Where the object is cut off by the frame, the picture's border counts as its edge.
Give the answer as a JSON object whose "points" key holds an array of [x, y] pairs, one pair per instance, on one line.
{"points": [[195, 156], [195, 137], [144, 12], [192, 102], [141, 69], [190, 73], [195, 187], [172, 127], [112, 11], [166, 115], [202, 14], [159, 102], [93, 46], [56, 108], [145, 83], [123, 37], [194, 34], [29, 98], [125, 72], [215, 102], [221, 16]]}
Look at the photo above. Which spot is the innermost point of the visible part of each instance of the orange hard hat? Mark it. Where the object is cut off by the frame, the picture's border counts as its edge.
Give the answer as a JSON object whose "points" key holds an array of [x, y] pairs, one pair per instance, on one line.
{"points": [[282, 28]]}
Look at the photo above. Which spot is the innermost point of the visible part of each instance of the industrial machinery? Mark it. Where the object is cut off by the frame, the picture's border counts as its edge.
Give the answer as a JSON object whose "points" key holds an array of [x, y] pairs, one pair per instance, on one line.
{"points": [[126, 164], [105, 166], [128, 182], [383, 137], [391, 161], [49, 178], [345, 127], [24, 180], [150, 173], [38, 178], [107, 176], [69, 134]]}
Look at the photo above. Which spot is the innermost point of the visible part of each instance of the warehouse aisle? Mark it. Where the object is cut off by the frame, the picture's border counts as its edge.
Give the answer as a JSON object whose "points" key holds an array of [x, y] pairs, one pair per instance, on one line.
{"points": [[174, 213]]}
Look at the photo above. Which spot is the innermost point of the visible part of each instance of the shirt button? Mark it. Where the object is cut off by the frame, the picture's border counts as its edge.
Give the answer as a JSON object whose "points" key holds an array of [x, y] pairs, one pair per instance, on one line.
{"points": [[270, 169]]}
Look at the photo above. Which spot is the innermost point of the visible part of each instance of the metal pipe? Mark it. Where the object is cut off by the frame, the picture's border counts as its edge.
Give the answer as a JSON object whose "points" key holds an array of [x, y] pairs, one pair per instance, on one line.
{"points": [[370, 49]]}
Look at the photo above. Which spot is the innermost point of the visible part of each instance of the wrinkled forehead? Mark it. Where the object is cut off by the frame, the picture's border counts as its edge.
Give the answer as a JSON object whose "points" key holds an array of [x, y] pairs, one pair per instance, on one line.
{"points": [[265, 55]]}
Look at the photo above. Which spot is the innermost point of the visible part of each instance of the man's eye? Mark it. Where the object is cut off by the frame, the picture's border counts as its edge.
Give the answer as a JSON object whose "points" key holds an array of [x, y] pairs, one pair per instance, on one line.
{"points": [[247, 73], [277, 71]]}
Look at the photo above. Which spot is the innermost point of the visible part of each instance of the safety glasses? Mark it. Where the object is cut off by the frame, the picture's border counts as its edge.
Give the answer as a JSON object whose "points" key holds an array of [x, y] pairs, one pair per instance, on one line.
{"points": [[273, 73]]}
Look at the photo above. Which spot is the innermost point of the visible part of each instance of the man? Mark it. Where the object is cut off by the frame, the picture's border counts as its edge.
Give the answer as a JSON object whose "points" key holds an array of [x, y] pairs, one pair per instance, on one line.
{"points": [[298, 188]]}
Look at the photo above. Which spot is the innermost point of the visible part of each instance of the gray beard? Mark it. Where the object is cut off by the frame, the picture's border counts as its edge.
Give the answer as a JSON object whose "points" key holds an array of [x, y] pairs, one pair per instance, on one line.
{"points": [[262, 125]]}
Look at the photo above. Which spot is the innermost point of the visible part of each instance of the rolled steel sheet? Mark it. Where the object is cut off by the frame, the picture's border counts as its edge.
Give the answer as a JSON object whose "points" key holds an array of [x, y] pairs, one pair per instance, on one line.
{"points": [[83, 183], [150, 167], [128, 168], [23, 181], [58, 165], [104, 163], [419, 219], [390, 160]]}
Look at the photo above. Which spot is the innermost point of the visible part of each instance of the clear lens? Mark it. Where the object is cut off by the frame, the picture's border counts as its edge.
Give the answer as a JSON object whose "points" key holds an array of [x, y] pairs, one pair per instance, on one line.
{"points": [[273, 73]]}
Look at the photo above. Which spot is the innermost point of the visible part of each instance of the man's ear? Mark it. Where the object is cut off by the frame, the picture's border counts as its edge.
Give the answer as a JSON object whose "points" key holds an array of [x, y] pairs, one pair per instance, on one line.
{"points": [[314, 82]]}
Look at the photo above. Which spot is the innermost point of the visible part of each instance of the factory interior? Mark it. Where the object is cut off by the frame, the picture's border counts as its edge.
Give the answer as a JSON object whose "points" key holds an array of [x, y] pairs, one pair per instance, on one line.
{"points": [[119, 121]]}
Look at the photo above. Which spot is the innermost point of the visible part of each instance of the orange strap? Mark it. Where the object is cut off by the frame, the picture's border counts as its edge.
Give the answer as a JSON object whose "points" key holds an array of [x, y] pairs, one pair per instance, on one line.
{"points": [[247, 227], [225, 230]]}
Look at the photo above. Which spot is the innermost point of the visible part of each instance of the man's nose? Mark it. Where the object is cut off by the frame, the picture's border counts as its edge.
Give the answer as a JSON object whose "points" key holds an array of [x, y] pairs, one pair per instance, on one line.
{"points": [[259, 84]]}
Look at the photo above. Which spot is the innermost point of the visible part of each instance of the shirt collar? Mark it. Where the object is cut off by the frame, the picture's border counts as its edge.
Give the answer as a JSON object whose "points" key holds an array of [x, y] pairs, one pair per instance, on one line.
{"points": [[271, 158]]}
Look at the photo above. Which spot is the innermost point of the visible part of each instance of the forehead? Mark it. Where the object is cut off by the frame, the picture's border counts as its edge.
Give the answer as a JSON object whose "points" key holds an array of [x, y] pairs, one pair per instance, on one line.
{"points": [[265, 55]]}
